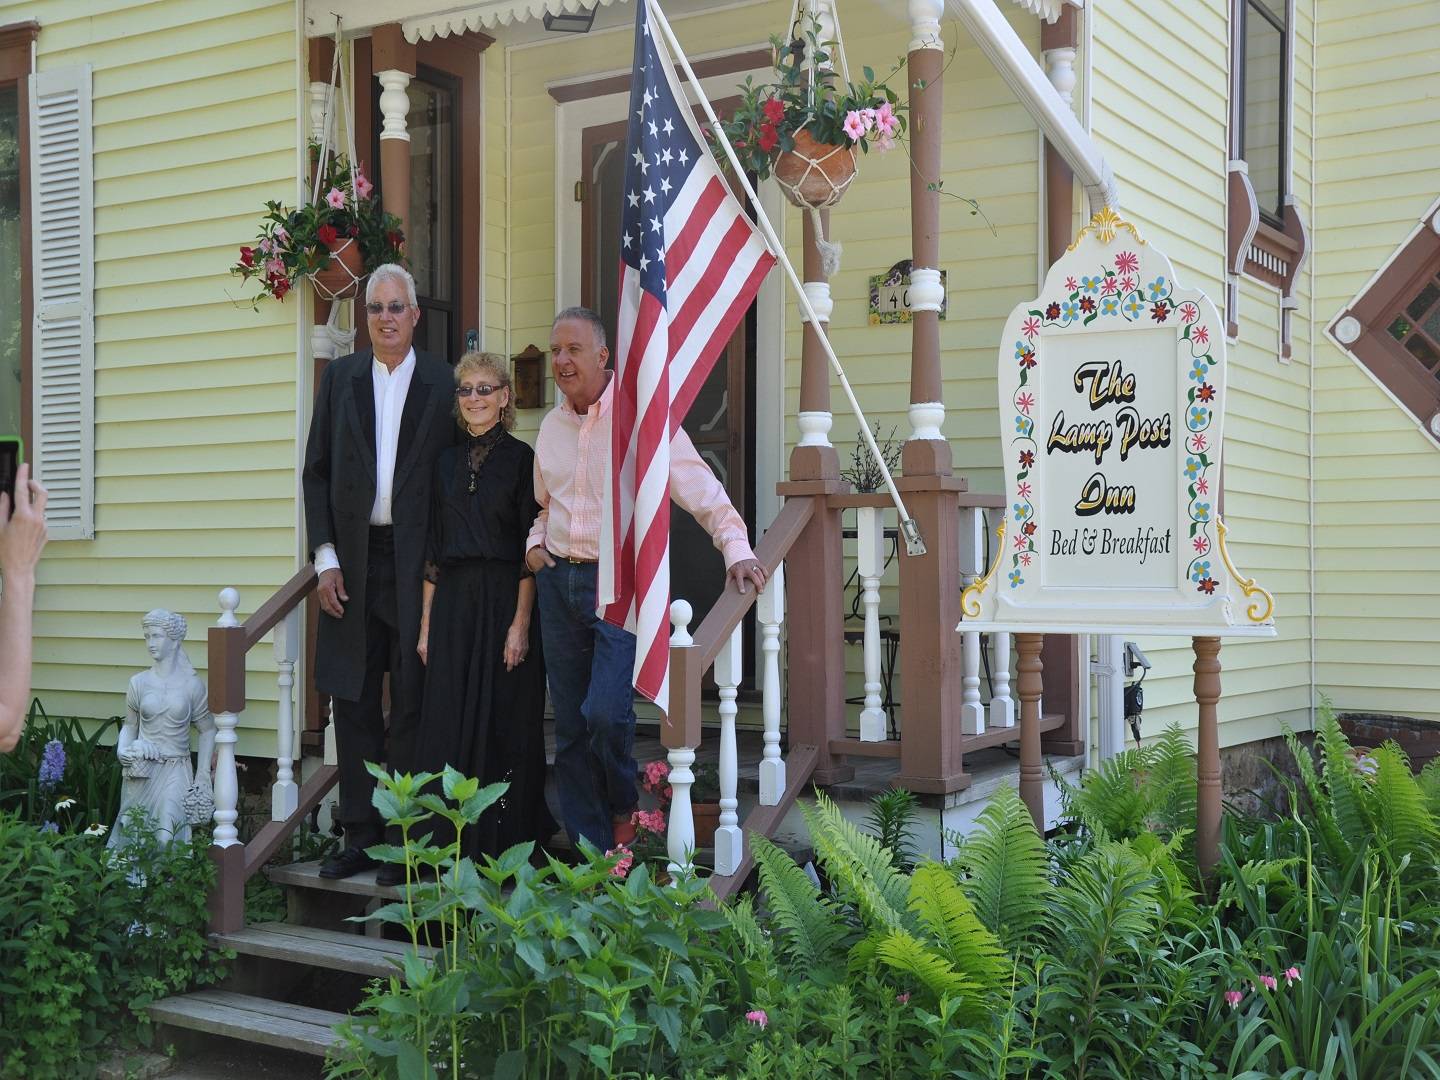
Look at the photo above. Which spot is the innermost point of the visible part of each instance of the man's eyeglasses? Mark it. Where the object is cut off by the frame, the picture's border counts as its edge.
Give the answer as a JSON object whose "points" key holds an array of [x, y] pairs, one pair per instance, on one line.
{"points": [[484, 390], [395, 307]]}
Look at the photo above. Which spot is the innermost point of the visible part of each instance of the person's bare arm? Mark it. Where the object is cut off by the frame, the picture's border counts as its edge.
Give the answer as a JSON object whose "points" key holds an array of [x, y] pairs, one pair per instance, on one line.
{"points": [[22, 537], [517, 638], [427, 597]]}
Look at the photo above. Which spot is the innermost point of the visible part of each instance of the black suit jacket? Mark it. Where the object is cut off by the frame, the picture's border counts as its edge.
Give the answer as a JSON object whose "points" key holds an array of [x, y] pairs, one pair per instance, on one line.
{"points": [[339, 484]]}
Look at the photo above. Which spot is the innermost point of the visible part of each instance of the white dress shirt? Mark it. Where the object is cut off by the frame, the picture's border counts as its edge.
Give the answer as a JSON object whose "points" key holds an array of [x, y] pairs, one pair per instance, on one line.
{"points": [[390, 388]]}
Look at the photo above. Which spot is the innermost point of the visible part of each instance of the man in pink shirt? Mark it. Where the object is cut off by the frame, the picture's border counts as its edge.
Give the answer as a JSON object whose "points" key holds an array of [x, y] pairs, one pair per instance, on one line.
{"points": [[589, 663]]}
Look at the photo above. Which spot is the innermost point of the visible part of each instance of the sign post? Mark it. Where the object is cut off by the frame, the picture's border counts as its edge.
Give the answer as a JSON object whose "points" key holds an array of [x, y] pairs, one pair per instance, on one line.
{"points": [[1112, 406]]}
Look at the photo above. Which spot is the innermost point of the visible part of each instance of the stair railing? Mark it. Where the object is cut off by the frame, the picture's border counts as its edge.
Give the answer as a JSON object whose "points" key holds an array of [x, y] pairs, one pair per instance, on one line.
{"points": [[230, 641]]}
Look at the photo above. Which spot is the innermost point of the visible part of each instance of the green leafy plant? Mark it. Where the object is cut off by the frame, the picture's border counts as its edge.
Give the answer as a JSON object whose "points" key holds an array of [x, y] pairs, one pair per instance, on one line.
{"points": [[76, 786], [892, 820]]}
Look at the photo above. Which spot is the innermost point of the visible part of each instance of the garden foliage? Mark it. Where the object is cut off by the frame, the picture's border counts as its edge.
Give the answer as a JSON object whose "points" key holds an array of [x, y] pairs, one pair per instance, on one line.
{"points": [[1313, 952]]}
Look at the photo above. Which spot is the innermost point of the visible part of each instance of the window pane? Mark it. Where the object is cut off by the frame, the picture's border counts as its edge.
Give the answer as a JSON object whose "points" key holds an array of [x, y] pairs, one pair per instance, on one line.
{"points": [[433, 227], [1264, 100], [1421, 349], [1399, 328], [1416, 308], [1432, 324], [10, 285]]}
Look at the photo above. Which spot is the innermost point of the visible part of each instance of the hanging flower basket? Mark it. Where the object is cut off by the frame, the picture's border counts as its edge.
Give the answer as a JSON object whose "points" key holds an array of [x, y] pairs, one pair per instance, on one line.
{"points": [[815, 174], [341, 277]]}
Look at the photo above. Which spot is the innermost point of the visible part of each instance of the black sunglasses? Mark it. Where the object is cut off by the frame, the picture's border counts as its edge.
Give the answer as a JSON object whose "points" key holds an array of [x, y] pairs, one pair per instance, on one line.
{"points": [[484, 390], [396, 307]]}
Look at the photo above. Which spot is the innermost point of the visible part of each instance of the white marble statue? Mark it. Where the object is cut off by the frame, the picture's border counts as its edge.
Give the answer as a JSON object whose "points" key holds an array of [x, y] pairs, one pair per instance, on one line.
{"points": [[154, 746]]}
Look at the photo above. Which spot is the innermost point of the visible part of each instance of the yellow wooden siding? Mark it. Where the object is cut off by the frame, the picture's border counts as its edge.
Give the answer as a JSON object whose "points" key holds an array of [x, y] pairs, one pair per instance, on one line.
{"points": [[1376, 475], [195, 429], [1159, 111]]}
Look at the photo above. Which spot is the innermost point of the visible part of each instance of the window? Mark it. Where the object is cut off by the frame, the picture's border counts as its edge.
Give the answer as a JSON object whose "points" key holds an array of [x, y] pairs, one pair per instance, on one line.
{"points": [[14, 231], [1392, 329], [1265, 104], [1265, 238]]}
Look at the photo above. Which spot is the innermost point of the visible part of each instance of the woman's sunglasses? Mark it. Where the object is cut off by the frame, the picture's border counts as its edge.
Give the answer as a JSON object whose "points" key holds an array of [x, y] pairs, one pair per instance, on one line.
{"points": [[484, 390], [395, 307]]}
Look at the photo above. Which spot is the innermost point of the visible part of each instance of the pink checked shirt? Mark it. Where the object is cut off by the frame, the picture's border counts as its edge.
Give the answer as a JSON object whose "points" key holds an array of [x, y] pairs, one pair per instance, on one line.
{"points": [[571, 471]]}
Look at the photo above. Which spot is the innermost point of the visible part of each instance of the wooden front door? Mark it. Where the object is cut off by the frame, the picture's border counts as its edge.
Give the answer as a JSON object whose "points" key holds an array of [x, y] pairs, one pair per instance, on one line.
{"points": [[721, 423]]}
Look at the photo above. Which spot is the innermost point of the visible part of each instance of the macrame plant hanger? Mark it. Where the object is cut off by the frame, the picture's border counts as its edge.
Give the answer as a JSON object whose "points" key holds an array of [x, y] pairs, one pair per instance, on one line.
{"points": [[338, 88], [829, 251]]}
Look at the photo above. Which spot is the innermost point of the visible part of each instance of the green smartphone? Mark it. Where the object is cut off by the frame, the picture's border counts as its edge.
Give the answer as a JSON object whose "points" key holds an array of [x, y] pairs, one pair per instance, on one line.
{"points": [[12, 453]]}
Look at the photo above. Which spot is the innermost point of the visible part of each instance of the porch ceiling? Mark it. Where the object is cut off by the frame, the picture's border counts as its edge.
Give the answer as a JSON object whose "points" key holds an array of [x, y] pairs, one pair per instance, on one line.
{"points": [[513, 21]]}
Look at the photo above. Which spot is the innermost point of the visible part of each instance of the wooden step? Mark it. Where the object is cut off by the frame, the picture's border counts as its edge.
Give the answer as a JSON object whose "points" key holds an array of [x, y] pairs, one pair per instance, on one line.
{"points": [[306, 875], [253, 1019], [333, 949]]}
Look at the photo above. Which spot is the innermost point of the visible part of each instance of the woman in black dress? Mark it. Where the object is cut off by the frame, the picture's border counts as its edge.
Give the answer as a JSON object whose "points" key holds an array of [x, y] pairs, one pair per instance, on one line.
{"points": [[485, 676]]}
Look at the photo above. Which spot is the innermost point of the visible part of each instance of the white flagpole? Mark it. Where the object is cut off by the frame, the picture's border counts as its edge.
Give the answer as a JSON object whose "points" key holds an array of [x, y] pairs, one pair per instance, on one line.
{"points": [[914, 543]]}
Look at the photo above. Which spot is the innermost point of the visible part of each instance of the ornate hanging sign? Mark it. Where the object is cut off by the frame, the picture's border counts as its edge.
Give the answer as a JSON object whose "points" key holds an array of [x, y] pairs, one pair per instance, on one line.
{"points": [[1112, 405]]}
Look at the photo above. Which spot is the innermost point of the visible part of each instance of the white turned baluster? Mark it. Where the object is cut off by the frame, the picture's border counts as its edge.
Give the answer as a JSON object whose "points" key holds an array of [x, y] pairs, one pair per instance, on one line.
{"points": [[870, 533], [770, 613], [394, 103], [1002, 705], [680, 834], [227, 783], [285, 796], [972, 554], [729, 840]]}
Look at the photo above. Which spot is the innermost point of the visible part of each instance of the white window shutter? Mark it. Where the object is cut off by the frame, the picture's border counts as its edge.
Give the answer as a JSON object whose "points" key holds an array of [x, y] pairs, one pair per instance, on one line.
{"points": [[63, 231]]}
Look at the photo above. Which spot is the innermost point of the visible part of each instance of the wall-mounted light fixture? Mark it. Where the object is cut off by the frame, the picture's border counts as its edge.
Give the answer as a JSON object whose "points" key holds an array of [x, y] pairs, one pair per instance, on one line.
{"points": [[570, 22]]}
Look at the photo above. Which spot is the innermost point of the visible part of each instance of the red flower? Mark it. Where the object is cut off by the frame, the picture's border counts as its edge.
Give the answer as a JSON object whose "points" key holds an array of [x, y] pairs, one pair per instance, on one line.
{"points": [[1027, 358], [1027, 458], [1087, 305], [1071, 284], [774, 110], [1028, 528], [247, 256], [1025, 559], [327, 234], [1200, 335], [1052, 312], [394, 238], [1207, 585], [768, 137], [279, 286], [1159, 312], [1206, 392]]}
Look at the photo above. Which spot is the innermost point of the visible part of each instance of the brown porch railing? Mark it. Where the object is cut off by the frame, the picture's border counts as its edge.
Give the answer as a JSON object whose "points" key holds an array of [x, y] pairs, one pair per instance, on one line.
{"points": [[229, 643]]}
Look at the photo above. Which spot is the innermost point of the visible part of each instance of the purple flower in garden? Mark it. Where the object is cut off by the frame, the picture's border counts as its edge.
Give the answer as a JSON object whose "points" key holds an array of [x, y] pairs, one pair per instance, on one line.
{"points": [[49, 826], [52, 764]]}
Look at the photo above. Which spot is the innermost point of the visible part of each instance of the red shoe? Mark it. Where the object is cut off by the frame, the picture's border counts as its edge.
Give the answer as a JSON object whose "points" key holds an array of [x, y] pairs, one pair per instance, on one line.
{"points": [[624, 831]]}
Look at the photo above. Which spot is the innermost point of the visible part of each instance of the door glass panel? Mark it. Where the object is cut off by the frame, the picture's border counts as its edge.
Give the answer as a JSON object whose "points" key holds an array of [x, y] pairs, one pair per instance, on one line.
{"points": [[605, 181], [434, 218], [1421, 304], [10, 285]]}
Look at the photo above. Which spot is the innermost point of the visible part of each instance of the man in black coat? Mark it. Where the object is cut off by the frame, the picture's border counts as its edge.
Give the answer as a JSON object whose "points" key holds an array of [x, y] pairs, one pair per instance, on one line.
{"points": [[381, 417]]}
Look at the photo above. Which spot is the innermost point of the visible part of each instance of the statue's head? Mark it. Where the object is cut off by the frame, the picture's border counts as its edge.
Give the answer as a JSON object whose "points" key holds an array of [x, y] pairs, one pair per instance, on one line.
{"points": [[164, 631]]}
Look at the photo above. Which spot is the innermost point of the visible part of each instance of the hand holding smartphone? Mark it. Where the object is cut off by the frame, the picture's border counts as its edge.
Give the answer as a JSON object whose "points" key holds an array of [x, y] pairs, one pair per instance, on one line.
{"points": [[22, 512], [12, 453]]}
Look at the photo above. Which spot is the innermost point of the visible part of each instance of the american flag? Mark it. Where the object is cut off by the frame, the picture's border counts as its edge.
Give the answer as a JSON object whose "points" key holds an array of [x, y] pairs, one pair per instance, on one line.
{"points": [[690, 264]]}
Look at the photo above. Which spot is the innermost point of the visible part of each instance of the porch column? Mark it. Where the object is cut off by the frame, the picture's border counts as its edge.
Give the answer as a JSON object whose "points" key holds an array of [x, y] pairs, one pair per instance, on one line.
{"points": [[394, 63], [814, 457], [931, 652], [1207, 754], [1065, 668], [1029, 684]]}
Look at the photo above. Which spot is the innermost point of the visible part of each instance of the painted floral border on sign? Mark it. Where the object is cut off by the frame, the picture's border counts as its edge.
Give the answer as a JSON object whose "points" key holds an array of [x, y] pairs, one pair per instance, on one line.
{"points": [[1116, 292]]}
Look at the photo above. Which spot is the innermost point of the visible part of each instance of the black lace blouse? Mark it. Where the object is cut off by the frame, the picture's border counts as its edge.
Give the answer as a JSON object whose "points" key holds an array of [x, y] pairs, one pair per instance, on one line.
{"points": [[484, 501]]}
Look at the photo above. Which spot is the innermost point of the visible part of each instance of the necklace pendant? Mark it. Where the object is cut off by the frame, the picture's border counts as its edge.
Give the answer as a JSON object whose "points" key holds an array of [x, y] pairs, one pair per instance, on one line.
{"points": [[472, 483]]}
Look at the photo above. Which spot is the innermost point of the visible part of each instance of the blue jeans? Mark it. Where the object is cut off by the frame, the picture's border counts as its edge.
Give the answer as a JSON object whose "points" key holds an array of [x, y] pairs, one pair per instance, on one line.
{"points": [[590, 666]]}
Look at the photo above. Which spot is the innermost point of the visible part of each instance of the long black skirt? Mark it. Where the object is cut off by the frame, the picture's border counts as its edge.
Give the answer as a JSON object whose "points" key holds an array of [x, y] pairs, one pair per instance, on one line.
{"points": [[483, 720]]}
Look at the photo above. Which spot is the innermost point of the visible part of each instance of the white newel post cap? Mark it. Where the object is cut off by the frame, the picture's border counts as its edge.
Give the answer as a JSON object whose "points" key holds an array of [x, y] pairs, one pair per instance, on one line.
{"points": [[394, 103], [680, 615], [814, 428], [925, 24], [229, 601], [926, 418]]}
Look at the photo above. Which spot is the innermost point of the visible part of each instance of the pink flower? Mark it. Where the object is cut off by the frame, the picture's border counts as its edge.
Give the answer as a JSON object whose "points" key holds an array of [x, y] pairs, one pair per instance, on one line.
{"points": [[1189, 312], [1025, 559], [266, 246], [1030, 327], [335, 197], [363, 186], [627, 859], [1127, 284], [903, 999], [868, 116], [1025, 402], [854, 124], [1200, 335], [1127, 262], [1023, 489], [758, 1018], [886, 120], [1202, 486], [884, 144], [1268, 981], [1292, 976], [651, 820], [276, 267], [1021, 541], [1071, 284], [281, 235], [655, 773], [1234, 997], [1201, 544]]}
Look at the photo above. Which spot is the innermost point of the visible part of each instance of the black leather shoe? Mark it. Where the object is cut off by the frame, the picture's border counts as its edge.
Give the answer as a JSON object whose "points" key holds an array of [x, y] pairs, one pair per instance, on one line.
{"points": [[390, 874], [347, 863]]}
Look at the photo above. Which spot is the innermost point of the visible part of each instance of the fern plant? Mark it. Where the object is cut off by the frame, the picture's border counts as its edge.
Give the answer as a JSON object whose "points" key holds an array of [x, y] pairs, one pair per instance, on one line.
{"points": [[1002, 867]]}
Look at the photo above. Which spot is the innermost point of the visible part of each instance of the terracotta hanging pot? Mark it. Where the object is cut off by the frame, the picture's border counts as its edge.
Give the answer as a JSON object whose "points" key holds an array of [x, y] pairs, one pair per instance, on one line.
{"points": [[815, 174], [706, 816], [341, 277]]}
